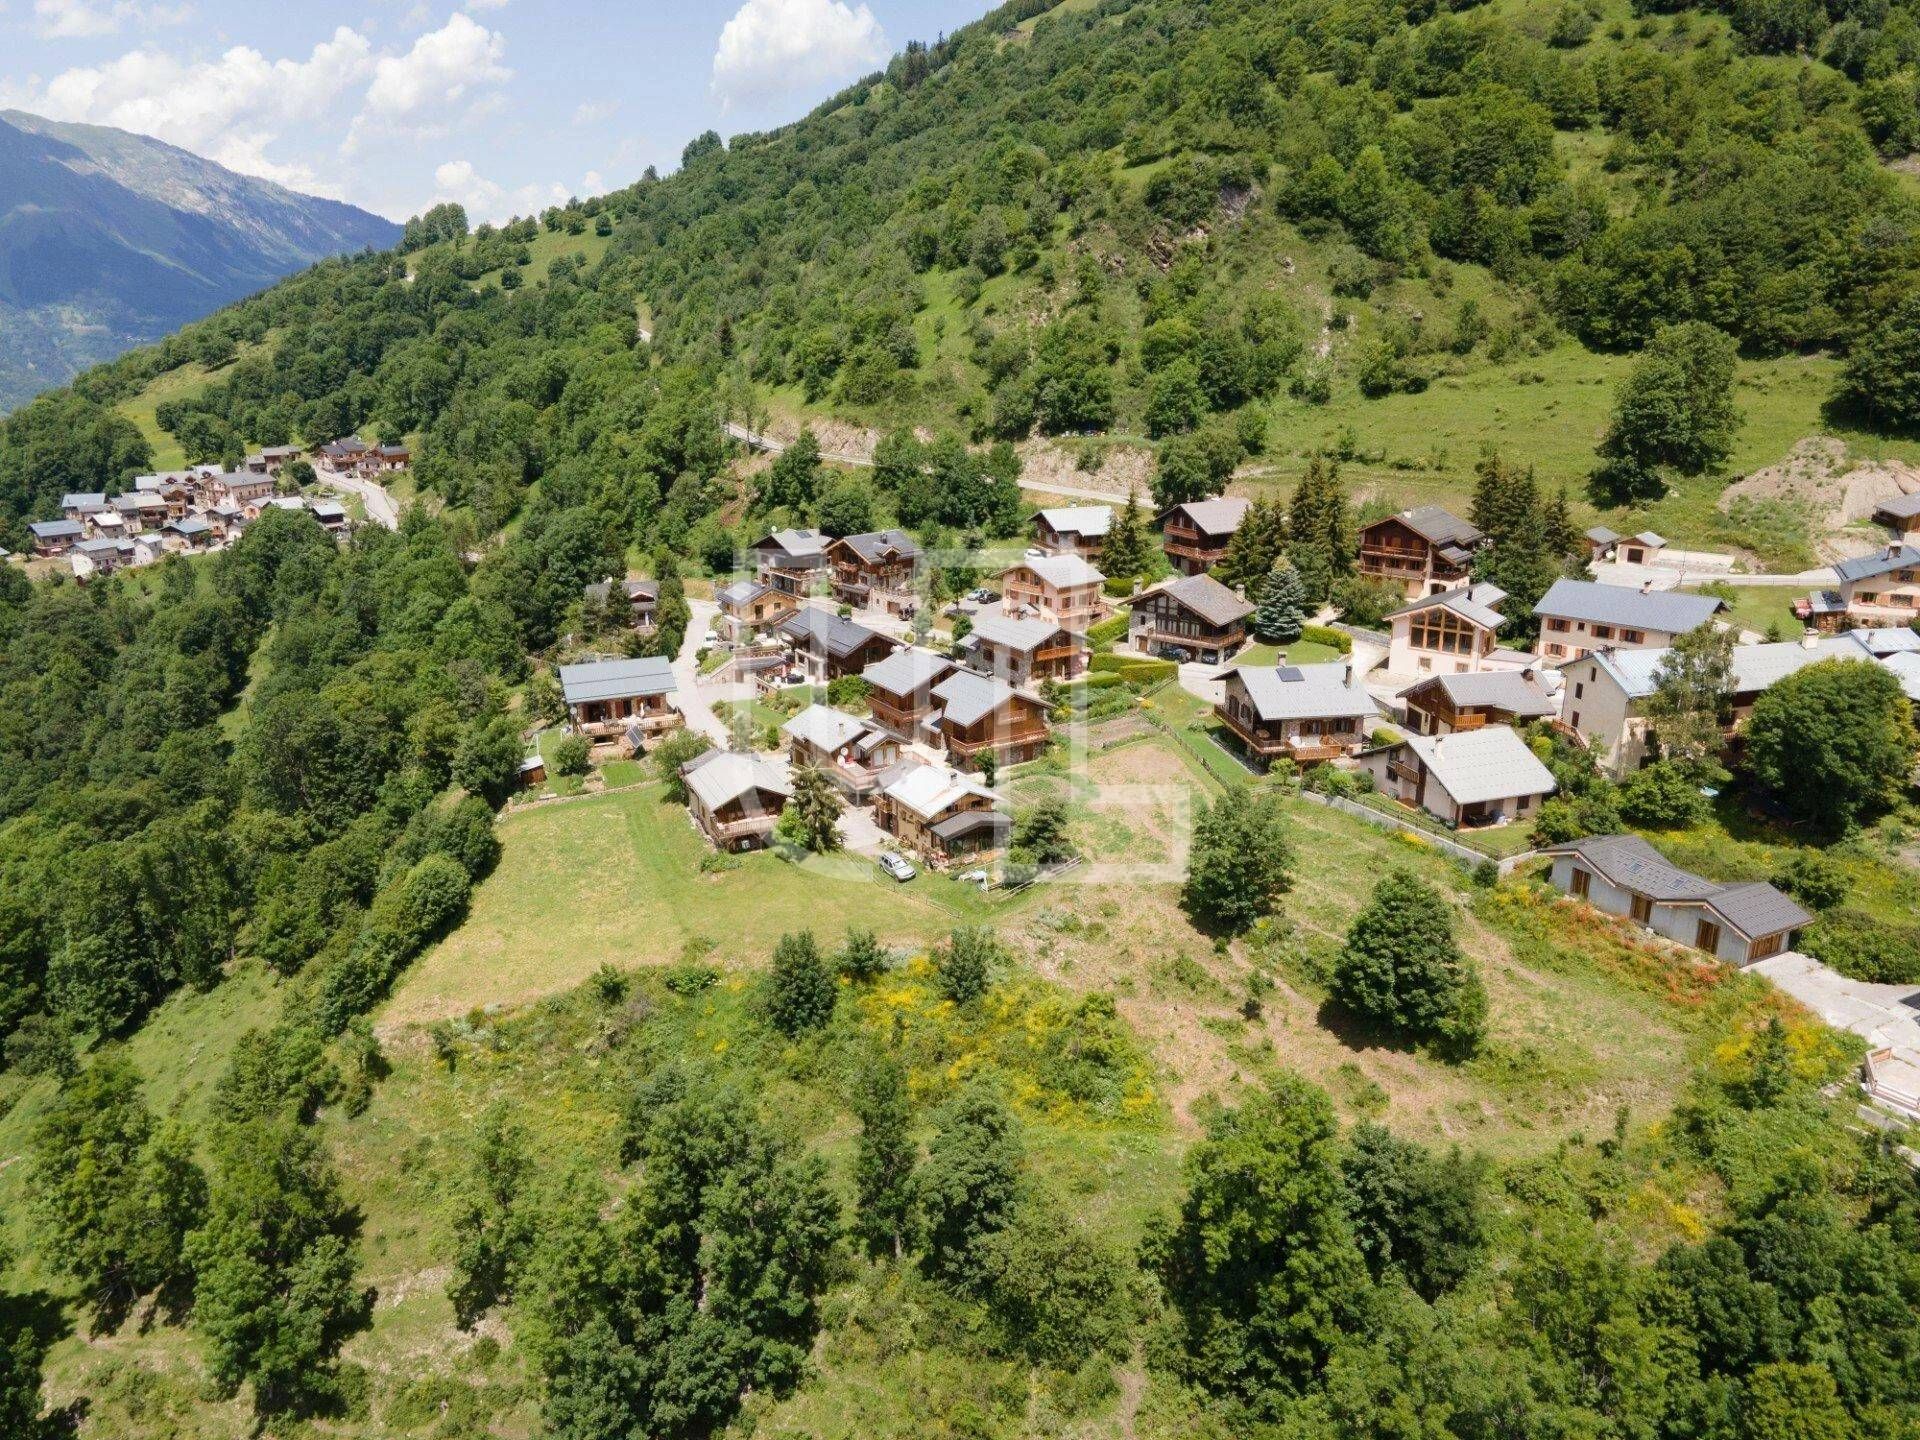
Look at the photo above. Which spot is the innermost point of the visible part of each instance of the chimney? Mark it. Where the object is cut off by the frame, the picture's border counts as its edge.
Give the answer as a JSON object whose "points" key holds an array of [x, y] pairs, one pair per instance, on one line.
{"points": [[1810, 639], [1646, 587], [1347, 674], [1894, 547]]}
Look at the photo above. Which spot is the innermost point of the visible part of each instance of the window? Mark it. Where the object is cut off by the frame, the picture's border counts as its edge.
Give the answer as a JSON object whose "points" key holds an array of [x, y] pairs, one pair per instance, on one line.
{"points": [[1643, 909], [1555, 623], [1633, 637], [1579, 691], [1574, 720], [1442, 630], [1579, 883], [1707, 937], [1603, 632]]}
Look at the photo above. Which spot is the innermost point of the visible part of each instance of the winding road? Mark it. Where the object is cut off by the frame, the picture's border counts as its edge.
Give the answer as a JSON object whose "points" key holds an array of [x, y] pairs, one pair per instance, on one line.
{"points": [[382, 508]]}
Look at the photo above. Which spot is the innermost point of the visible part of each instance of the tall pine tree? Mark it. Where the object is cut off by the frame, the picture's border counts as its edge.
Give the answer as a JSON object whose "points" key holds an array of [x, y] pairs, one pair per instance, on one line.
{"points": [[1128, 552], [1258, 542], [1282, 610]]}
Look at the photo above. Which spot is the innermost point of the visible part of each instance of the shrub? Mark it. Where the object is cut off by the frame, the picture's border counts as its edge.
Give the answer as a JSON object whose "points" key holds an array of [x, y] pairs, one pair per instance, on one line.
{"points": [[1814, 879], [571, 755], [1327, 635], [801, 991], [965, 966], [1134, 668], [1862, 946], [1103, 635], [1661, 796]]}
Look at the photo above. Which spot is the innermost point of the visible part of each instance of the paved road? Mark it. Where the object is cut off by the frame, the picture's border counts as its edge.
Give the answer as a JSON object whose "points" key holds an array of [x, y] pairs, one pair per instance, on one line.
{"points": [[1669, 577], [382, 508], [1887, 1015], [693, 696]]}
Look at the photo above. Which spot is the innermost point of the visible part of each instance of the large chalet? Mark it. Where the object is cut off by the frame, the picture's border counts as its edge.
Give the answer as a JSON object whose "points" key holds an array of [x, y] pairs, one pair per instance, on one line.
{"points": [[1420, 552], [1196, 535], [1193, 618], [1024, 651], [876, 569], [1306, 713], [1064, 587]]}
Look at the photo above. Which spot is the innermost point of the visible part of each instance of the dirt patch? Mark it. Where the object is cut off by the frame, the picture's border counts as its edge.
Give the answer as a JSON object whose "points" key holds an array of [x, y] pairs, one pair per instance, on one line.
{"points": [[1046, 464], [1837, 491]]}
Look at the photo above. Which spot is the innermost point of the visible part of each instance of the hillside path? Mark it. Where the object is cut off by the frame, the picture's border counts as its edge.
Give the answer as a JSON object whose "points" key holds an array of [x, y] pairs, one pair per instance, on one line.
{"points": [[693, 697], [382, 508]]}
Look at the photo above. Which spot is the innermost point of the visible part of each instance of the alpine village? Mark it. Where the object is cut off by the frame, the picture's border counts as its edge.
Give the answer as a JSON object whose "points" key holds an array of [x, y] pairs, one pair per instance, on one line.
{"points": [[1196, 718]]}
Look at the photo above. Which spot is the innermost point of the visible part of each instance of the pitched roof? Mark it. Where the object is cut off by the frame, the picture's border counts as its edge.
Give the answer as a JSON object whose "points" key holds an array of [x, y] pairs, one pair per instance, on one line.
{"points": [[1059, 570], [796, 544], [1651, 540], [720, 776], [1670, 610], [1904, 507], [1092, 521], [1905, 665], [1222, 515], [879, 545], [821, 631], [905, 671], [616, 679], [1755, 667], [1866, 567], [1306, 692], [1207, 598], [1601, 535], [1441, 528], [56, 529], [83, 500], [741, 592], [1752, 907], [1513, 691], [1025, 634], [1476, 602], [1887, 639], [970, 696], [824, 727], [931, 790], [1492, 763]]}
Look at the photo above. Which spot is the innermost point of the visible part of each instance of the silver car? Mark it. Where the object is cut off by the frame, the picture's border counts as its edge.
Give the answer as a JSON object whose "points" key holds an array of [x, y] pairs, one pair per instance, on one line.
{"points": [[897, 867]]}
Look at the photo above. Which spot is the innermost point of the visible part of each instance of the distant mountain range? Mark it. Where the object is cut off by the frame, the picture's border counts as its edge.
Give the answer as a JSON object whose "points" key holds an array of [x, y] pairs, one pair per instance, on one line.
{"points": [[109, 240]]}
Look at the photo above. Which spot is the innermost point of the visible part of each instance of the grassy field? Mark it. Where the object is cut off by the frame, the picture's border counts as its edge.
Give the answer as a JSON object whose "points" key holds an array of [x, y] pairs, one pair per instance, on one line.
{"points": [[1755, 607], [617, 879], [182, 384]]}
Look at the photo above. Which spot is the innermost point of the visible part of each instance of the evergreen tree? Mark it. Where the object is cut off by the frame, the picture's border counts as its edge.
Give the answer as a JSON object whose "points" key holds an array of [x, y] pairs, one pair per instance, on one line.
{"points": [[1256, 545], [1692, 702], [884, 1160], [815, 805], [793, 480], [1240, 862], [1282, 611], [964, 965], [863, 957], [1129, 551], [1319, 518], [801, 990], [1402, 970]]}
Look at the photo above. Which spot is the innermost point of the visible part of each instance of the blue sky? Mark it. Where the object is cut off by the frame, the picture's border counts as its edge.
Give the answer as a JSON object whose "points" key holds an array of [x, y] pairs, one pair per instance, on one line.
{"points": [[503, 105]]}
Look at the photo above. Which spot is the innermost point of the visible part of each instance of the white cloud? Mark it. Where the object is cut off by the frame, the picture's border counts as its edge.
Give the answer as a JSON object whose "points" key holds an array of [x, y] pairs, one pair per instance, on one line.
{"points": [[443, 66], [593, 112], [231, 109], [772, 47], [85, 19], [485, 199]]}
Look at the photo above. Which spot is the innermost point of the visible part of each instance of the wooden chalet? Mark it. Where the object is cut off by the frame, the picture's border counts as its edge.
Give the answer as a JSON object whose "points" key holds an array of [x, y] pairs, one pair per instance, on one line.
{"points": [[1421, 552], [1444, 704], [1073, 530], [849, 750], [1900, 515], [900, 693], [876, 569], [1024, 651], [939, 813], [736, 799], [1308, 713], [1195, 535], [979, 714], [791, 561], [747, 606], [1193, 618], [826, 646], [620, 699], [1063, 587]]}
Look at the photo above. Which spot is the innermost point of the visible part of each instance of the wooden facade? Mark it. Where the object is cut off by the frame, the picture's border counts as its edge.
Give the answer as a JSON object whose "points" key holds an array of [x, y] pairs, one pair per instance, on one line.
{"points": [[1420, 552], [1015, 731], [1211, 630], [1076, 606], [1195, 536], [1306, 740]]}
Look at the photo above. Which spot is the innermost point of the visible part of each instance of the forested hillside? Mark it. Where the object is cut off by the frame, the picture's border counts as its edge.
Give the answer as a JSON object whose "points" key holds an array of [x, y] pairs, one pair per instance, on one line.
{"points": [[336, 1101]]}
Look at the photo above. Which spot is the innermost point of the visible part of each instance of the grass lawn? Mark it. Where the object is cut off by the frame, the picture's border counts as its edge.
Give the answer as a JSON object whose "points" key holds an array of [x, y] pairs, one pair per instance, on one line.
{"points": [[184, 383], [1300, 652], [1495, 841], [1755, 607], [616, 879]]}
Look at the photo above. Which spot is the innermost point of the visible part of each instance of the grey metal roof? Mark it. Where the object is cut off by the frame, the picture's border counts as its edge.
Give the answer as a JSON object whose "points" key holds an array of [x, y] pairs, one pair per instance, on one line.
{"points": [[1025, 635], [1601, 535], [969, 696], [720, 776], [796, 544], [616, 679], [929, 790], [1221, 515], [83, 500], [1059, 571], [741, 592], [824, 727], [968, 821], [1887, 639], [1508, 690], [821, 631], [1092, 521], [1905, 665], [1866, 567], [1755, 667], [1307, 692], [56, 529], [1672, 611], [1632, 864], [879, 545], [1474, 766], [1652, 540], [1756, 908], [1475, 602], [1903, 506], [905, 671], [1442, 529], [1207, 598]]}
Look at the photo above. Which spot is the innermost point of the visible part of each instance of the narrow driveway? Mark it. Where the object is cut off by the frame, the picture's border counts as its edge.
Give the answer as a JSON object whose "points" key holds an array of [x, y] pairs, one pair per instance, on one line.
{"points": [[1671, 577], [1886, 1015], [692, 695], [382, 508]]}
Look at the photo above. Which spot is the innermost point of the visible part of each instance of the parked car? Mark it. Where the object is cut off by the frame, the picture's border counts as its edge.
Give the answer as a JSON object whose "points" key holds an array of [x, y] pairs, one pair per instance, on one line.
{"points": [[983, 596], [897, 867]]}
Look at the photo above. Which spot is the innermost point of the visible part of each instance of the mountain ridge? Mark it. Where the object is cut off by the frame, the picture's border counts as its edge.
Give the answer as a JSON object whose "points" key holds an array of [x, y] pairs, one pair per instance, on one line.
{"points": [[110, 240]]}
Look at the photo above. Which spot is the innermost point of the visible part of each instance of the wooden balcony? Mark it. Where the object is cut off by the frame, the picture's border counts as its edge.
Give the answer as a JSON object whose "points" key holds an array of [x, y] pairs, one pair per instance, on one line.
{"points": [[1314, 749], [730, 832]]}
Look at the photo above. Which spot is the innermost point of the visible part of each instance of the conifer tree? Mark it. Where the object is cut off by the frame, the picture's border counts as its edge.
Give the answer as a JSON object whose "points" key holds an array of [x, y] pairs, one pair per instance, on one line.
{"points": [[884, 1159], [1128, 552], [1282, 609], [802, 989], [1402, 970], [1258, 542], [816, 806]]}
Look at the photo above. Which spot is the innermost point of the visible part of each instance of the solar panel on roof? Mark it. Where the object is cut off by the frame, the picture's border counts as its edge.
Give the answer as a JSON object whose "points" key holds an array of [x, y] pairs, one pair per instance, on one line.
{"points": [[1290, 673]]}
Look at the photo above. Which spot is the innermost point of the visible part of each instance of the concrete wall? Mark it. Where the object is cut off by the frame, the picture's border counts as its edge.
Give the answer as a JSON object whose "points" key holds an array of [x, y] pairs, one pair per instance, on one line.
{"points": [[1618, 736]]}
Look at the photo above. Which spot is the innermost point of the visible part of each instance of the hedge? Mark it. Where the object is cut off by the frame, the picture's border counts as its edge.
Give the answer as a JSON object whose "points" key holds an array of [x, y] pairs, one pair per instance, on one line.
{"points": [[1102, 636], [1135, 668], [1327, 635]]}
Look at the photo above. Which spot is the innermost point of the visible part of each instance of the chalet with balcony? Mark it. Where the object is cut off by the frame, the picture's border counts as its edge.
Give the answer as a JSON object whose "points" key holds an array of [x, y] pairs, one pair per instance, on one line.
{"points": [[939, 813], [1901, 515], [1478, 777], [1308, 713], [55, 537], [140, 509], [1024, 651], [345, 453], [1063, 588], [269, 459], [1073, 530], [104, 555], [640, 599], [1195, 535], [1422, 552], [186, 535], [1455, 632], [980, 715], [850, 751], [735, 799], [627, 700], [1624, 875], [1446, 704], [83, 507], [1878, 589], [900, 696], [747, 606], [383, 460], [793, 562], [876, 570], [825, 647], [1192, 618], [239, 487], [176, 489], [1578, 616]]}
